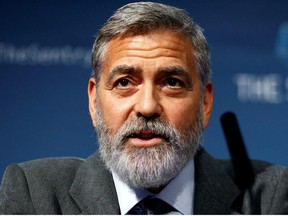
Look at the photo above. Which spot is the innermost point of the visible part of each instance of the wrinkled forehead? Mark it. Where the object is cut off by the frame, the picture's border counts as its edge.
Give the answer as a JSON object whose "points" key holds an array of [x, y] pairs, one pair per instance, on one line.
{"points": [[164, 45]]}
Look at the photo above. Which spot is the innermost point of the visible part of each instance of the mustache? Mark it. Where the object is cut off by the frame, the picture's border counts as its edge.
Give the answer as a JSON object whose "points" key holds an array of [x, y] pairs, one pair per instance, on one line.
{"points": [[139, 125]]}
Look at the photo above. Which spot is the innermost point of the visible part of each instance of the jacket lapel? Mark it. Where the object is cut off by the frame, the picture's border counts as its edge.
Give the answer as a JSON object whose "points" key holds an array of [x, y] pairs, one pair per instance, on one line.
{"points": [[94, 192], [93, 189], [215, 190]]}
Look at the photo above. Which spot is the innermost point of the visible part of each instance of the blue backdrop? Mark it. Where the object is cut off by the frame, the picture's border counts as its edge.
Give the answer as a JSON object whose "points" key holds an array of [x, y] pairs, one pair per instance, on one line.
{"points": [[45, 65]]}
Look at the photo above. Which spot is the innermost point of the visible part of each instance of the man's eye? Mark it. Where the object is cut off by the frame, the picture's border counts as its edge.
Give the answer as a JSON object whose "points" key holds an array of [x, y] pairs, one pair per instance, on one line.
{"points": [[174, 82], [123, 82]]}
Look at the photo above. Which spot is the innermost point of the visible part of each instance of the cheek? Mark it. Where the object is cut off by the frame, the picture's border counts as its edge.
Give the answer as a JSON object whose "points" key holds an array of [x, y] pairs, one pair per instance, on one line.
{"points": [[183, 115], [114, 113]]}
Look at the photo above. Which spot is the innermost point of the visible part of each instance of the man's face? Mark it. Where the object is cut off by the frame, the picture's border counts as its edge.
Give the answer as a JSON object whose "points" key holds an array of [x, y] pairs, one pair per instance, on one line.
{"points": [[149, 78]]}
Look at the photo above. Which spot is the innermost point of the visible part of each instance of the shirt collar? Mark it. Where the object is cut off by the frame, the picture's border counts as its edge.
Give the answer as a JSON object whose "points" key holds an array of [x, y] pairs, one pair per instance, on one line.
{"points": [[178, 193]]}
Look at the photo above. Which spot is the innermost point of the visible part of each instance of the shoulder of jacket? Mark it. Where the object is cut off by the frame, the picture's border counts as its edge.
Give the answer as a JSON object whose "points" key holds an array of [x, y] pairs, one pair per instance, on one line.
{"points": [[52, 170], [60, 162], [272, 172]]}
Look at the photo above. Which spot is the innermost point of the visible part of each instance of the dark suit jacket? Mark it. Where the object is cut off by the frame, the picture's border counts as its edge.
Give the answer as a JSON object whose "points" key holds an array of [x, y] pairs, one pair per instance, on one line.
{"points": [[76, 186]]}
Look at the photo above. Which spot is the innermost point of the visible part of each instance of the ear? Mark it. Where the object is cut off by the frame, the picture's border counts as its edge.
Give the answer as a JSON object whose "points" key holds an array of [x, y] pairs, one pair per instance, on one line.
{"points": [[92, 96], [208, 103]]}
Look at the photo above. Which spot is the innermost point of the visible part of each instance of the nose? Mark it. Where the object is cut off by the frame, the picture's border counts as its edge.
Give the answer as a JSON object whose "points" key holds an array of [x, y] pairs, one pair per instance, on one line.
{"points": [[148, 102]]}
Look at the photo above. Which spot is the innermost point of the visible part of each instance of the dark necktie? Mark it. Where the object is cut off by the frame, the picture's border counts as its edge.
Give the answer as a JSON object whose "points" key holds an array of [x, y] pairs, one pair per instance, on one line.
{"points": [[151, 206]]}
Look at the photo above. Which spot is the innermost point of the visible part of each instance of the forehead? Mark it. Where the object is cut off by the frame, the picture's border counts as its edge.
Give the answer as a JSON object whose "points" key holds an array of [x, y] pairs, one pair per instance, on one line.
{"points": [[157, 48]]}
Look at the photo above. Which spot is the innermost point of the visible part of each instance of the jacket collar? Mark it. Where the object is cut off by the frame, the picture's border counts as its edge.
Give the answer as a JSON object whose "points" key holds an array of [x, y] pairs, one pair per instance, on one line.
{"points": [[93, 188], [215, 190]]}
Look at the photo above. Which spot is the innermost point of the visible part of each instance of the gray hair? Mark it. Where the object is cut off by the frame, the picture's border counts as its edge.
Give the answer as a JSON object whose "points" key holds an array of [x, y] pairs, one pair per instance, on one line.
{"points": [[144, 17]]}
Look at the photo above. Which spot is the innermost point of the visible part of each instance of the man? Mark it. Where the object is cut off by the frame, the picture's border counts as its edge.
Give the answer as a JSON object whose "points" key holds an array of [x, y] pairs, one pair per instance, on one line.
{"points": [[150, 98]]}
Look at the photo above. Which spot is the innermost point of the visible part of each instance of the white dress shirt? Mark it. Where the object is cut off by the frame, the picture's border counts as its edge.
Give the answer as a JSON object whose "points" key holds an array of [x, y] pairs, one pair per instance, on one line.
{"points": [[179, 193]]}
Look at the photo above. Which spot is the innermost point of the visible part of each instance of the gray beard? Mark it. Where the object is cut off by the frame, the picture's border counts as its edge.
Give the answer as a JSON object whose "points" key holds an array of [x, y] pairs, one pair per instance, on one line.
{"points": [[148, 167]]}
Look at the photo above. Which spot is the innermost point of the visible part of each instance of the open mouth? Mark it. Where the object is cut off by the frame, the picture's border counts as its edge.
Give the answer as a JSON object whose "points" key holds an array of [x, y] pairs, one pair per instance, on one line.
{"points": [[145, 139], [144, 135]]}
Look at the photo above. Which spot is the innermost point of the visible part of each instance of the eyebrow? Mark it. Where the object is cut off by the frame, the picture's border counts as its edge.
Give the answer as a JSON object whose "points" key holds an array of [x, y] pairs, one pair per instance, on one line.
{"points": [[122, 69], [169, 70], [177, 70]]}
